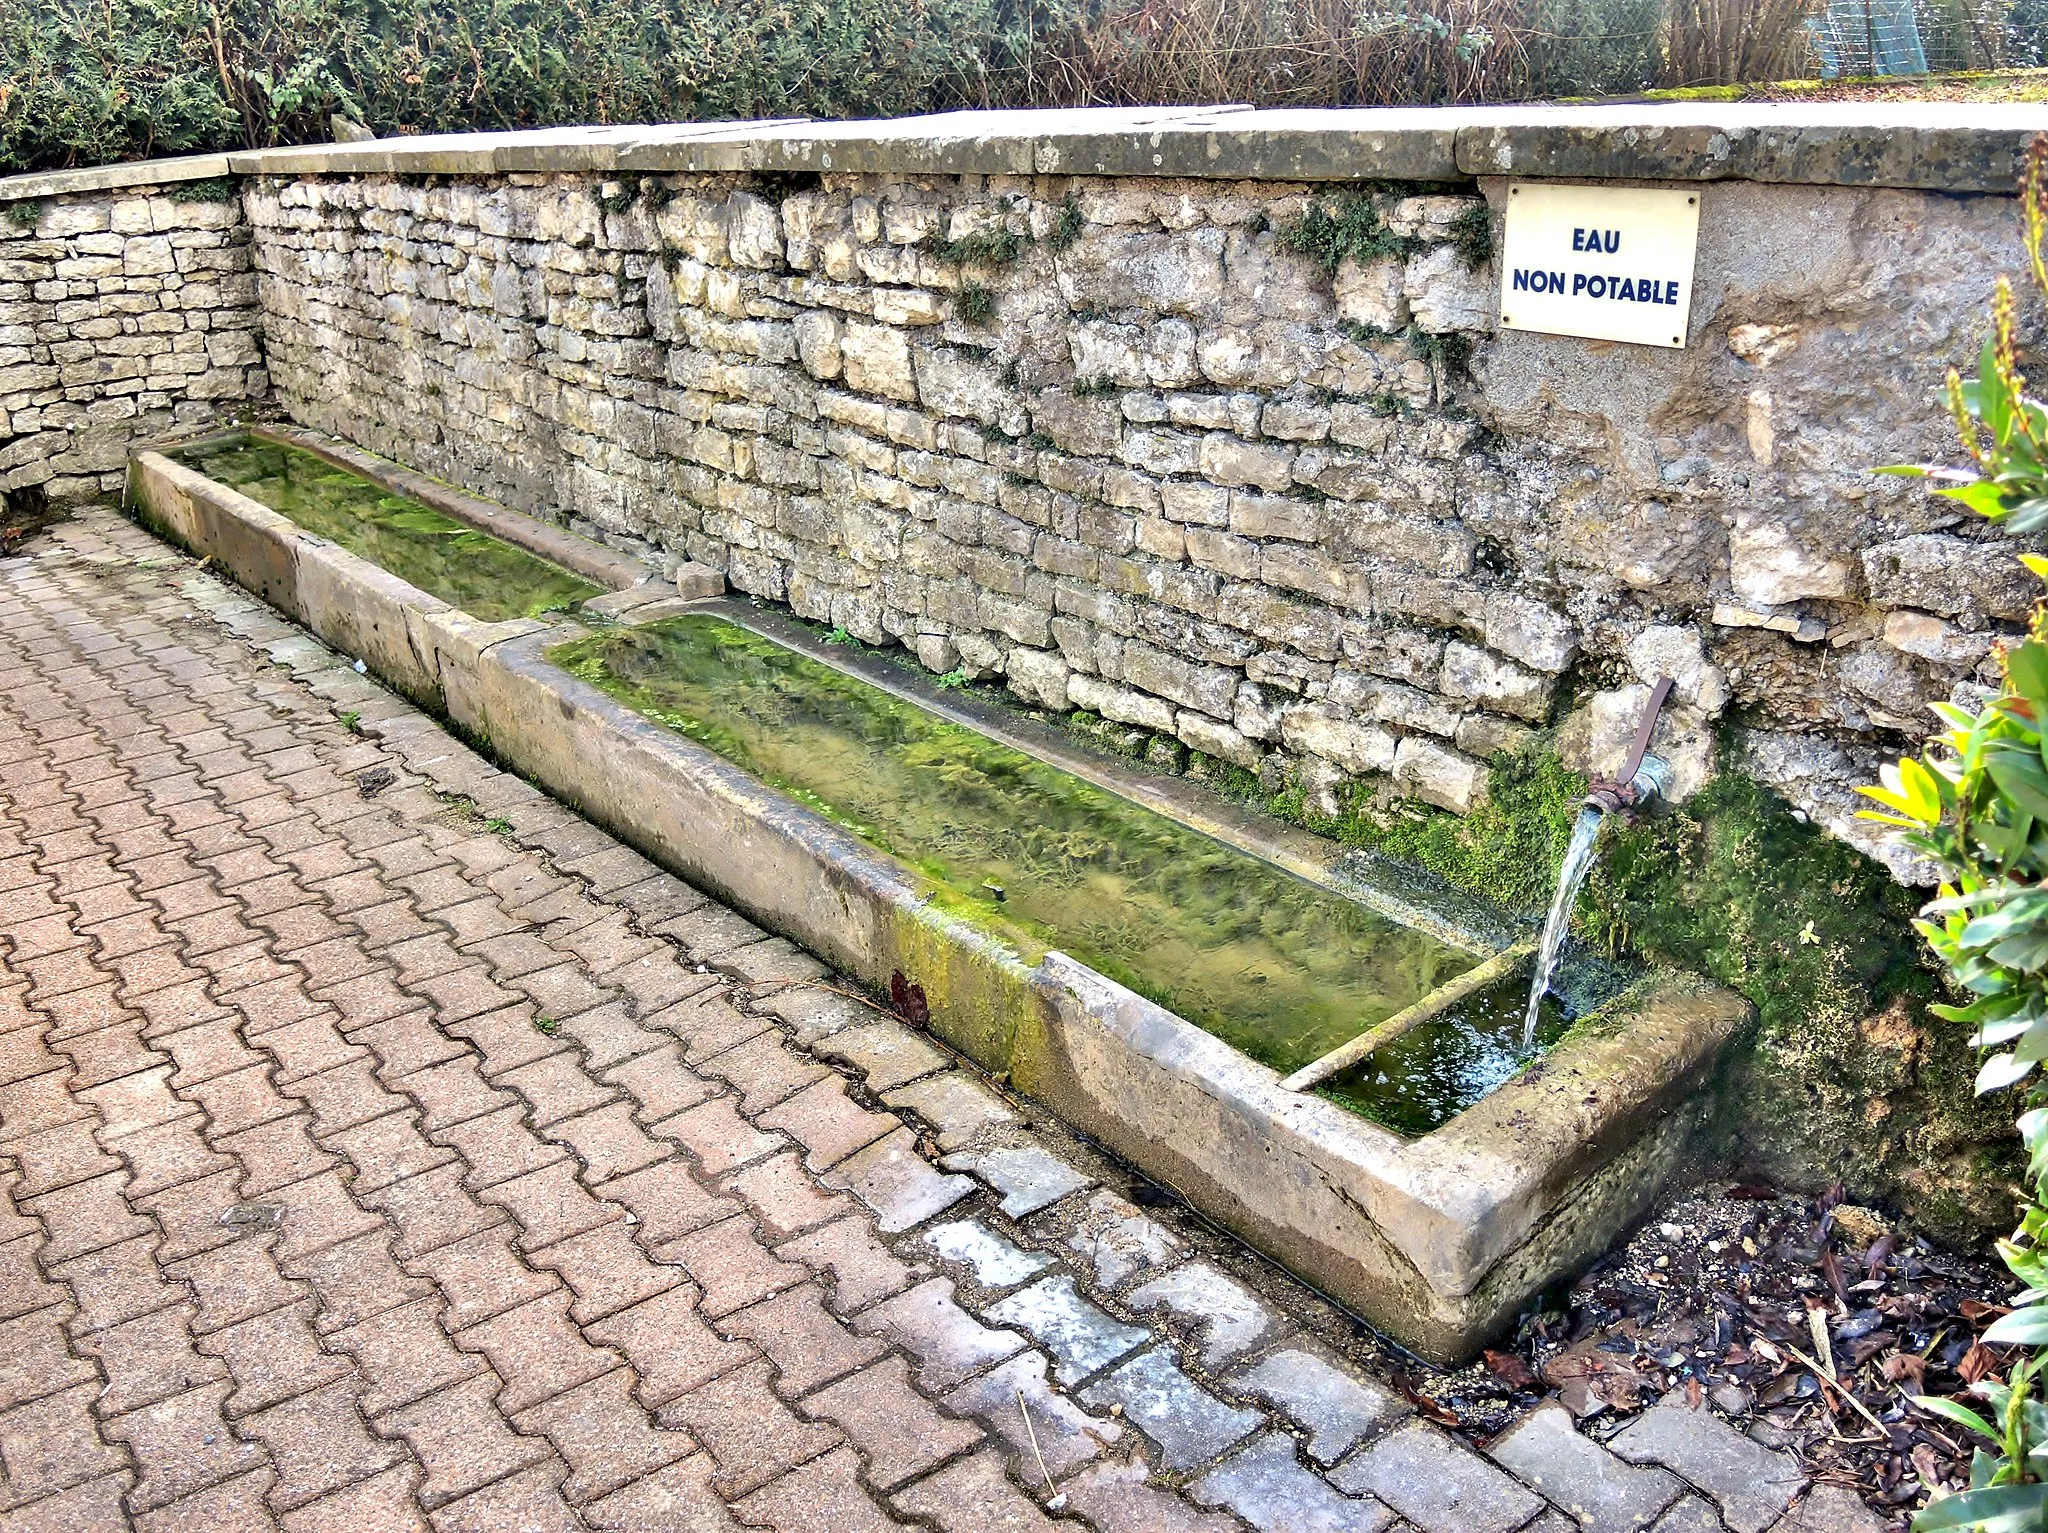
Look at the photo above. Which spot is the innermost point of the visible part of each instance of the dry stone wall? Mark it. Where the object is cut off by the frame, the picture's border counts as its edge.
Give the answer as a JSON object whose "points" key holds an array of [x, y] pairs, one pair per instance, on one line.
{"points": [[126, 315], [1117, 443]]}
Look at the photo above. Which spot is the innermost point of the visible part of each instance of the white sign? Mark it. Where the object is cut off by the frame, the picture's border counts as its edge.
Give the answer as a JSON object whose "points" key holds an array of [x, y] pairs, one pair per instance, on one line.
{"points": [[1613, 263]]}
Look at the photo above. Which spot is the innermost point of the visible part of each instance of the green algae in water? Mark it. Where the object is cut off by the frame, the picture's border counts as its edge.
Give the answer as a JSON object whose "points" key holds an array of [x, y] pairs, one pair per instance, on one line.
{"points": [[1277, 967], [1457, 1057], [483, 575]]}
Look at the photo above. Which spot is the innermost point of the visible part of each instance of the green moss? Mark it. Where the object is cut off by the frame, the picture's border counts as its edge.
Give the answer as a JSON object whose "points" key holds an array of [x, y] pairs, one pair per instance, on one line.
{"points": [[1067, 225], [988, 248], [212, 189], [26, 214], [1348, 225], [1472, 233], [975, 304]]}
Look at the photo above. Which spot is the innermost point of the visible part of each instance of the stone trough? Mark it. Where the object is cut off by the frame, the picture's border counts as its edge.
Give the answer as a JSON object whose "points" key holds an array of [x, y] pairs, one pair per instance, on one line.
{"points": [[1439, 1239]]}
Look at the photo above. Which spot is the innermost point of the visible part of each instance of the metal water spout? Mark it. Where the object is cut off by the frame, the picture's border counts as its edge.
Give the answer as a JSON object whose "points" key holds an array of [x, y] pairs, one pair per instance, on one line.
{"points": [[1643, 777]]}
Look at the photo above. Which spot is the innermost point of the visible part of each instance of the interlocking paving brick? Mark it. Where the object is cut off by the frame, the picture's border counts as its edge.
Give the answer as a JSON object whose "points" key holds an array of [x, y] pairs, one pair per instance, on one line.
{"points": [[1265, 1484], [384, 1503], [482, 1276], [885, 1052], [717, 1137], [732, 1266], [660, 1084], [1437, 1484], [606, 1270], [1027, 1177], [677, 1499], [149, 1358], [536, 1351], [234, 1506], [1337, 1404], [897, 1183], [1059, 1431], [1229, 1317], [974, 1496], [51, 1443], [807, 1344], [1082, 1338], [669, 1345], [404, 1354], [827, 1123], [551, 1205], [750, 1433], [529, 1501], [993, 1261], [462, 1439], [823, 1496], [1751, 1484], [357, 1279], [605, 1435], [1189, 1424], [182, 1445], [948, 1343], [1603, 1493], [35, 1356]]}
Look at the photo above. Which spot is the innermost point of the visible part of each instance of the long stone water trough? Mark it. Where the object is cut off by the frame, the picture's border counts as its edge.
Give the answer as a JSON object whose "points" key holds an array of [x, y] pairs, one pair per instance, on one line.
{"points": [[1440, 1239]]}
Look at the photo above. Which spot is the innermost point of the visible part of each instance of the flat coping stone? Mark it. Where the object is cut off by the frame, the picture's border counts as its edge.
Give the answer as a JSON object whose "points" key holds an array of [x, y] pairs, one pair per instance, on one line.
{"points": [[1339, 1405], [1604, 1494], [994, 1262], [1232, 1319], [1438, 1484], [112, 178], [1190, 1425], [1082, 1338], [1751, 1484], [1028, 1177], [1939, 146], [1265, 1484]]}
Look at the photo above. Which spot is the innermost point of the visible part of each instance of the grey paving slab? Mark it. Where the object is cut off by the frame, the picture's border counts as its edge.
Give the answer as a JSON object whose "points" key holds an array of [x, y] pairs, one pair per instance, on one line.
{"points": [[897, 1182], [1265, 1484], [1750, 1483], [957, 1106], [994, 1261], [1438, 1484], [948, 1343], [1339, 1405], [1028, 1177], [1066, 1435], [1120, 1243], [1229, 1317], [1190, 1425], [1084, 1338], [1604, 1494]]}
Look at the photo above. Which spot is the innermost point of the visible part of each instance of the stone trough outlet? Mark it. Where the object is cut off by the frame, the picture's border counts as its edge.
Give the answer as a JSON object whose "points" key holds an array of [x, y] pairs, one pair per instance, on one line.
{"points": [[1440, 1239]]}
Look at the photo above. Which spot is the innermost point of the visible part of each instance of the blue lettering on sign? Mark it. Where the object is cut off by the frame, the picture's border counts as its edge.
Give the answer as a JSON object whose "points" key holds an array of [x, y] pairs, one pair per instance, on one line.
{"points": [[1597, 240], [1636, 289]]}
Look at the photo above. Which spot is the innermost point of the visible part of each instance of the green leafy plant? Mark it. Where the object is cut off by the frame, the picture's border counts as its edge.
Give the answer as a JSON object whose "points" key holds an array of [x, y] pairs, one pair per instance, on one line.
{"points": [[352, 721], [974, 303], [839, 635], [1350, 225], [212, 189], [1977, 803], [953, 680], [1067, 225], [987, 247], [26, 214]]}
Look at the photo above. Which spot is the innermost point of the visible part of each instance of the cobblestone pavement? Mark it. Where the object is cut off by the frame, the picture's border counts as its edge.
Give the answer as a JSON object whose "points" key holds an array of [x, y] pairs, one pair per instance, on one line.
{"points": [[382, 1146]]}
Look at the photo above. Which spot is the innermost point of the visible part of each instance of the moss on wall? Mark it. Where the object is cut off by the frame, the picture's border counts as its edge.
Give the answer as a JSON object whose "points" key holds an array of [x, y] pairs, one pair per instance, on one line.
{"points": [[1845, 1074]]}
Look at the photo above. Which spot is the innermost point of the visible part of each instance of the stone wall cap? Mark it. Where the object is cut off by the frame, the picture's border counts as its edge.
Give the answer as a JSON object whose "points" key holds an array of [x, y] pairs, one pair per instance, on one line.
{"points": [[1931, 145], [109, 178]]}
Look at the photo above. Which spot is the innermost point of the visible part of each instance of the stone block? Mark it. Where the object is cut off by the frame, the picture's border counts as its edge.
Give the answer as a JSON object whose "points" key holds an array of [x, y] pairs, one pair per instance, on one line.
{"points": [[1190, 1425], [1751, 1484], [1265, 1484], [1229, 1318], [1438, 1485], [1081, 1337], [1604, 1494], [1337, 1404]]}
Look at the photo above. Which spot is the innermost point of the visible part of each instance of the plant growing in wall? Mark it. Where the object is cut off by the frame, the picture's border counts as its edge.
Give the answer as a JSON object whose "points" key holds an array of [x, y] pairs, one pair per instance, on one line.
{"points": [[1977, 803]]}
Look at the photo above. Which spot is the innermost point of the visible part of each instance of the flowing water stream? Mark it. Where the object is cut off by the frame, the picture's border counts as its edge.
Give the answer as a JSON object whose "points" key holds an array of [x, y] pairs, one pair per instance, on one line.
{"points": [[1578, 860]]}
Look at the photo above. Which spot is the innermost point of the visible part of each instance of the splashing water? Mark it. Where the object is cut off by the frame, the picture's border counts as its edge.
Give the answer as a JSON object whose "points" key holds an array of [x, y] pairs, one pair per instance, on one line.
{"points": [[1578, 857]]}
